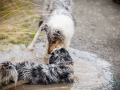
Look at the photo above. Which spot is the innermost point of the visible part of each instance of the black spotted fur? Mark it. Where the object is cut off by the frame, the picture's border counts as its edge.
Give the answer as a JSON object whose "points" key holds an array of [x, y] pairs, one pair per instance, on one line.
{"points": [[59, 70]]}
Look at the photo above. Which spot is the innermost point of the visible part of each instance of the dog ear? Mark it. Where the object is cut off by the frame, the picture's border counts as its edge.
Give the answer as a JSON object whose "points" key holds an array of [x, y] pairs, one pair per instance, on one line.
{"points": [[58, 33], [66, 55], [44, 27]]}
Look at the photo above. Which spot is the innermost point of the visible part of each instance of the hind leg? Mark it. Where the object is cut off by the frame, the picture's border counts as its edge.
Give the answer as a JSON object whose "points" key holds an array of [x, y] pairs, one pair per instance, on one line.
{"points": [[7, 75], [4, 72], [46, 55], [8, 72]]}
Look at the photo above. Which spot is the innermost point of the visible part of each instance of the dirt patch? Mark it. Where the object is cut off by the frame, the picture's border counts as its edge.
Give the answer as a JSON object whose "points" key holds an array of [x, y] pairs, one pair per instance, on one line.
{"points": [[18, 21]]}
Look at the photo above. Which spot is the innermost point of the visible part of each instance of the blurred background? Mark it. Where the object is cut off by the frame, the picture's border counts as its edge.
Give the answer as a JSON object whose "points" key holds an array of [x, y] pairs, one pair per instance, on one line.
{"points": [[18, 21], [97, 30]]}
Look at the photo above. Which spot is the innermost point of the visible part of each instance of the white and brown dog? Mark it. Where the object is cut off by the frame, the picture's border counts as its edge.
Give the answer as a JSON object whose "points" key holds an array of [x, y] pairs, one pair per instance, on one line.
{"points": [[59, 24]]}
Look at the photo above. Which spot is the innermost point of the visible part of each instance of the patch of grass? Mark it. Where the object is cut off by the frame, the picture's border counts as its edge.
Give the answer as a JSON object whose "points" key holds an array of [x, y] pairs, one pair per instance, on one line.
{"points": [[25, 25], [18, 21], [26, 21], [32, 33], [19, 40], [3, 36], [30, 12]]}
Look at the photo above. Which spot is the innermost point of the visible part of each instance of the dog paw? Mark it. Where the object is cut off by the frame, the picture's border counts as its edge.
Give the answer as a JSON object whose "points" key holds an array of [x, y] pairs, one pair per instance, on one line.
{"points": [[30, 48]]}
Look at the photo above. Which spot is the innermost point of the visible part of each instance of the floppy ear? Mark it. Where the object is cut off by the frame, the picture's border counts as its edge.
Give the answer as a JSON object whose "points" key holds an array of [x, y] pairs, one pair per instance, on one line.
{"points": [[44, 27], [66, 55], [58, 33]]}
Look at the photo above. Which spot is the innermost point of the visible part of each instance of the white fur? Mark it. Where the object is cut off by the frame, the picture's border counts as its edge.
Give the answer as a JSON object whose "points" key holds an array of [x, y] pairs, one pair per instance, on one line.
{"points": [[30, 47], [65, 23], [59, 17]]}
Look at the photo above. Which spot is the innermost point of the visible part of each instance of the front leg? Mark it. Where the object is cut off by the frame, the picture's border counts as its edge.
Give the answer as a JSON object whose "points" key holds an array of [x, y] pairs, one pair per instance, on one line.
{"points": [[66, 43], [46, 55], [30, 47]]}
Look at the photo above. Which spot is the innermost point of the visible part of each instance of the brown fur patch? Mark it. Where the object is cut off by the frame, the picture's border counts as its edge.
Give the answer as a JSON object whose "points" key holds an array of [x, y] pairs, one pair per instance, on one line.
{"points": [[53, 45]]}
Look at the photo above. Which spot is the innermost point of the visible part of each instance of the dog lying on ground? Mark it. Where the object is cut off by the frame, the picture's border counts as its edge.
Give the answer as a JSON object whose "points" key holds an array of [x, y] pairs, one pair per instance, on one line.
{"points": [[58, 23], [59, 70]]}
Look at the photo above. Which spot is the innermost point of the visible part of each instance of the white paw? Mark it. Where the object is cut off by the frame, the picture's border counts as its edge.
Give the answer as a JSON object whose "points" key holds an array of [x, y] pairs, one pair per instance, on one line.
{"points": [[30, 48]]}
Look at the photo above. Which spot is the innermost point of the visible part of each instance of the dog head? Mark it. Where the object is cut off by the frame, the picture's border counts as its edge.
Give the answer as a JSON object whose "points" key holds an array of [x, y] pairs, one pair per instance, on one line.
{"points": [[55, 37], [60, 56]]}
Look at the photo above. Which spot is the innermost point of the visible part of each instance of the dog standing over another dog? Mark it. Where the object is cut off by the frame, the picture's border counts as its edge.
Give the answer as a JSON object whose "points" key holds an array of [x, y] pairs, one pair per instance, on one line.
{"points": [[59, 25]]}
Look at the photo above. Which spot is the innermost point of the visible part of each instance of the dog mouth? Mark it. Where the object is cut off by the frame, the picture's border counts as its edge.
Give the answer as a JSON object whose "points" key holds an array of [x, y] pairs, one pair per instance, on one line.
{"points": [[54, 44], [49, 52]]}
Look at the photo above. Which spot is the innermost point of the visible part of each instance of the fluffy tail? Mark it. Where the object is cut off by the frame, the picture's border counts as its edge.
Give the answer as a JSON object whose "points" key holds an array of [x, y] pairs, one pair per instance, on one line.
{"points": [[50, 5]]}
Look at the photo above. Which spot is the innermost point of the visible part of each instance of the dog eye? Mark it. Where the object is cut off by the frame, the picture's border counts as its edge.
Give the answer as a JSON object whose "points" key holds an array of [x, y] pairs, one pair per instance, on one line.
{"points": [[53, 42]]}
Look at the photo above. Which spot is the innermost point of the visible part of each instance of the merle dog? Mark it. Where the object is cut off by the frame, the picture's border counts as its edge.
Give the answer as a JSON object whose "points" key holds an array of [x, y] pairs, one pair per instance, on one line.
{"points": [[59, 70]]}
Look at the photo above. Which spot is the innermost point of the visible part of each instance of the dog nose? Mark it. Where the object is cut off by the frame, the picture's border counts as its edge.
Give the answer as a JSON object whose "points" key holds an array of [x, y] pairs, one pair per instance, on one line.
{"points": [[49, 52]]}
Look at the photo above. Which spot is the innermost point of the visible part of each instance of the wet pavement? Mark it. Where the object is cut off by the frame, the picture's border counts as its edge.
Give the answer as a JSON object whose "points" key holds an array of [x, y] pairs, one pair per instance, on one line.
{"points": [[98, 30], [93, 72]]}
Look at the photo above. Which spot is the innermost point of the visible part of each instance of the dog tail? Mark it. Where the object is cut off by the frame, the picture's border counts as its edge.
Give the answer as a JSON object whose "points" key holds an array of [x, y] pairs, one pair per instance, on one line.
{"points": [[66, 4], [50, 5]]}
